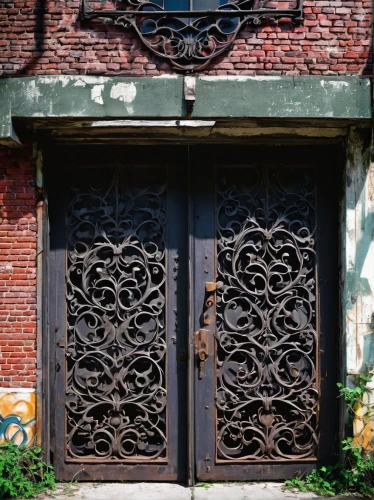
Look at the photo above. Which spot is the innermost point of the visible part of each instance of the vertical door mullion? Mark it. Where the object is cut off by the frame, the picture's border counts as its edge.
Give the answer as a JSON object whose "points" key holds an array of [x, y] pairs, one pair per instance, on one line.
{"points": [[57, 324], [177, 314], [204, 267], [173, 467], [191, 327], [327, 245]]}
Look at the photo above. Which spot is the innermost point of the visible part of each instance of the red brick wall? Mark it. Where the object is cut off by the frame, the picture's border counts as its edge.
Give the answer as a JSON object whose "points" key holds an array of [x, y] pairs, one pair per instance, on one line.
{"points": [[46, 37], [17, 268]]}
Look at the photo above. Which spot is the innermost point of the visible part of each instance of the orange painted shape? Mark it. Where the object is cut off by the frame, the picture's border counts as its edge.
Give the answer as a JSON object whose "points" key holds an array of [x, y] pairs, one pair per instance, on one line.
{"points": [[17, 418]]}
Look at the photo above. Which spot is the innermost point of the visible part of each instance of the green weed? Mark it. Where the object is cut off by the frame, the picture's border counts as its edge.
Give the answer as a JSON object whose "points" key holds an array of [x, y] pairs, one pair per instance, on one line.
{"points": [[23, 472], [356, 474], [204, 485]]}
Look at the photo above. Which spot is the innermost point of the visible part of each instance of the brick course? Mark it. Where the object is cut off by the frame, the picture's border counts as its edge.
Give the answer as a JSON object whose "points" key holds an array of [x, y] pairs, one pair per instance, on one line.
{"points": [[46, 38], [17, 268]]}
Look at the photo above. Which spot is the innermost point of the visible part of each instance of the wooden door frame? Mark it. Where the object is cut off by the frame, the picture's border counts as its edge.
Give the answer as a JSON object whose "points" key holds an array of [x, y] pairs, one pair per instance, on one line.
{"points": [[175, 467], [204, 271], [46, 373]]}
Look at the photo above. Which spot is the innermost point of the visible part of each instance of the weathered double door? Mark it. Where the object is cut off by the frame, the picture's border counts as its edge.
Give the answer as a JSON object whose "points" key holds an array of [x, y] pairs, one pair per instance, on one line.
{"points": [[193, 312]]}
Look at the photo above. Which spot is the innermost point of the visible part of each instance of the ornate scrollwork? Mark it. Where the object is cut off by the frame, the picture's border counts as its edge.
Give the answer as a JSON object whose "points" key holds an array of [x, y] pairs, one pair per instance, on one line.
{"points": [[115, 383], [266, 315], [189, 39]]}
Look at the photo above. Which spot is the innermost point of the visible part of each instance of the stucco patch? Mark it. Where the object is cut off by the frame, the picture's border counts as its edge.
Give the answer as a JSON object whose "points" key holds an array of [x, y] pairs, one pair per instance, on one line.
{"points": [[125, 92], [32, 91], [96, 94]]}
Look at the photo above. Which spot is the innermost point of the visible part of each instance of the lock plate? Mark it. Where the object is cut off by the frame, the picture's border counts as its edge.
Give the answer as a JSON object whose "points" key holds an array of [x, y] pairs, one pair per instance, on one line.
{"points": [[201, 348]]}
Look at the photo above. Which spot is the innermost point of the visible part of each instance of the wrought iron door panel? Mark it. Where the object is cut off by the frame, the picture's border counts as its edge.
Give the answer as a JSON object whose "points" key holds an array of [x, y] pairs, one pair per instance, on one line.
{"points": [[265, 268], [116, 355], [120, 254], [267, 387]]}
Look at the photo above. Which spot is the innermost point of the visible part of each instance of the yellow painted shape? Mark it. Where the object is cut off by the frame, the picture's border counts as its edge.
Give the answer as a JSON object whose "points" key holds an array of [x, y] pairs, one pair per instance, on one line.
{"points": [[363, 428], [17, 418]]}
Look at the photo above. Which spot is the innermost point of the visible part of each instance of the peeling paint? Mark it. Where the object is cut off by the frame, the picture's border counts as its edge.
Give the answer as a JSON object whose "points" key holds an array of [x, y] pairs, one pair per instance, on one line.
{"points": [[334, 83], [125, 92], [49, 80], [169, 77], [96, 94], [79, 83], [368, 267], [93, 80], [359, 253], [65, 80], [337, 84], [6, 267], [33, 91]]}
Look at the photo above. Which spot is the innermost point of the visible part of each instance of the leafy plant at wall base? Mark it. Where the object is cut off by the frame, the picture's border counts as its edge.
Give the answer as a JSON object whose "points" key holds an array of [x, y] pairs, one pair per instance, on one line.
{"points": [[357, 472], [23, 472], [354, 395]]}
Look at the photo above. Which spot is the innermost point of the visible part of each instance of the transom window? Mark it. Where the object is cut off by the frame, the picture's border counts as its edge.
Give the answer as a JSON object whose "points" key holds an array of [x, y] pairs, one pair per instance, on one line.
{"points": [[193, 5]]}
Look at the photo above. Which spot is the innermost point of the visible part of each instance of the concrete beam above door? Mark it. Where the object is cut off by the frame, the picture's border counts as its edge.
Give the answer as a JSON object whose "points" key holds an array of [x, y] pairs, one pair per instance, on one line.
{"points": [[8, 137], [283, 97], [152, 98]]}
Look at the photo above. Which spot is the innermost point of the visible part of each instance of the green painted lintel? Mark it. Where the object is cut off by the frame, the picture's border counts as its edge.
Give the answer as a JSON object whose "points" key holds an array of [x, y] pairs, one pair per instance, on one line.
{"points": [[94, 97], [283, 97], [85, 97], [8, 136]]}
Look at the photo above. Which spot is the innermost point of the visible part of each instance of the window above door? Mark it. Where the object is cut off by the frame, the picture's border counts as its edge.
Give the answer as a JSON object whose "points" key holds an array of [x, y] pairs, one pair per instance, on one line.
{"points": [[190, 5], [190, 33]]}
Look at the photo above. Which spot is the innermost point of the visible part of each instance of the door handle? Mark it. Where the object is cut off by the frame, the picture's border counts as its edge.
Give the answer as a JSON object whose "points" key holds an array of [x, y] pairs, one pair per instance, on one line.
{"points": [[201, 337], [201, 348]]}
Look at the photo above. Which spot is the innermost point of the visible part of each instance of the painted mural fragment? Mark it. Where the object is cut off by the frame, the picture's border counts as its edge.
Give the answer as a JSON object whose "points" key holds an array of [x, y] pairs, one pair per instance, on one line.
{"points": [[363, 427], [17, 418]]}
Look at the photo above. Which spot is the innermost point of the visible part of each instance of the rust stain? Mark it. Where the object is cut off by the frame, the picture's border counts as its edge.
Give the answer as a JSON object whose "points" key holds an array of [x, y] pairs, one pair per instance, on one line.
{"points": [[17, 418], [371, 182]]}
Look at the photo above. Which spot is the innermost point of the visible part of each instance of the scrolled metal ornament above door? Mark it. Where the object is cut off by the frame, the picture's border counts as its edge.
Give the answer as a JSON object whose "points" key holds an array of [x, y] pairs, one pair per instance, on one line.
{"points": [[190, 33]]}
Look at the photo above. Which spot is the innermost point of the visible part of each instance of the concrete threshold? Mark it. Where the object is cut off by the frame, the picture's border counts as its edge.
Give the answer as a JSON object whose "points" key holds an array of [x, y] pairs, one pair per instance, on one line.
{"points": [[169, 491]]}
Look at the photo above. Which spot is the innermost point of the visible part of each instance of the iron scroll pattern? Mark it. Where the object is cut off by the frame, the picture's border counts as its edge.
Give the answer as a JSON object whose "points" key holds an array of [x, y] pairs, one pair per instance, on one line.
{"points": [[191, 39], [115, 382], [267, 397]]}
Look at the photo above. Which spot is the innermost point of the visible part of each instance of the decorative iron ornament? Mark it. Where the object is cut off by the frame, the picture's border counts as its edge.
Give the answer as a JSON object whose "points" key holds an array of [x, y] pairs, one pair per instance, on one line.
{"points": [[191, 38], [116, 355], [266, 315]]}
